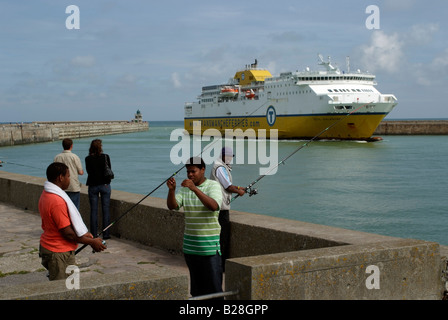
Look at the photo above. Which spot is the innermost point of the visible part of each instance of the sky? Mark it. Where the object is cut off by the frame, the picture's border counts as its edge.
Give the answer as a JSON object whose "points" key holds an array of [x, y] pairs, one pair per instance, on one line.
{"points": [[154, 56]]}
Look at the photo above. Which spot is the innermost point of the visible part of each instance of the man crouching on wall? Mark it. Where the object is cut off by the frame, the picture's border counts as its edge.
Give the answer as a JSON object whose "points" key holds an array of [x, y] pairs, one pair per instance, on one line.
{"points": [[62, 224]]}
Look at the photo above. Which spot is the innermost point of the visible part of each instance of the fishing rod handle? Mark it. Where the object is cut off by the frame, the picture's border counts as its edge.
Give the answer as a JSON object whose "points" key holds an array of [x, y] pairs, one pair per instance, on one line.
{"points": [[93, 251], [80, 249]]}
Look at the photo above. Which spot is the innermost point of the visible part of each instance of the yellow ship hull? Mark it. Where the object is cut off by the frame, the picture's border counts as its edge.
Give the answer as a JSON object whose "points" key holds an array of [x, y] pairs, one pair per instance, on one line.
{"points": [[352, 127], [298, 105]]}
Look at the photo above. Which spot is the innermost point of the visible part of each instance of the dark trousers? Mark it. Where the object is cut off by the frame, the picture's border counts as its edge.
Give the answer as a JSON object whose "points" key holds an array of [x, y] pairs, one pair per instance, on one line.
{"points": [[75, 197], [205, 274], [95, 194], [224, 221]]}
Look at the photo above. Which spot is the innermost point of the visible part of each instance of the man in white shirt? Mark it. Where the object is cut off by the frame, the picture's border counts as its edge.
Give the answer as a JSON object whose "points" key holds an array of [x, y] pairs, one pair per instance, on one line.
{"points": [[73, 162], [221, 172]]}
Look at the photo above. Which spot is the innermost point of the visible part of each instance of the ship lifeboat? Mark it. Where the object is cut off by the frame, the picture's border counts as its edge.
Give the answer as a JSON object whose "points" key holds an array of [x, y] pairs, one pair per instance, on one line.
{"points": [[250, 94], [229, 91]]}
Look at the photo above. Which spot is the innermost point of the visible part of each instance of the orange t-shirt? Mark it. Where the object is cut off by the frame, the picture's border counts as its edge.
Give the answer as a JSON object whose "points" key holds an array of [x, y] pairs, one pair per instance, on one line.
{"points": [[54, 213]]}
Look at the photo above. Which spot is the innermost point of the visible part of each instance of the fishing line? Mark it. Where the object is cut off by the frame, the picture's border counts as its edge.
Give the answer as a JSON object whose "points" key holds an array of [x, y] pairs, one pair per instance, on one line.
{"points": [[252, 191], [174, 174], [18, 164]]}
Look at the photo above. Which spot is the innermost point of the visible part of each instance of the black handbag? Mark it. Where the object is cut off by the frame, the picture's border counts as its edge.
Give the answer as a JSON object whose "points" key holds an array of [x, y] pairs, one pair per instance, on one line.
{"points": [[108, 173]]}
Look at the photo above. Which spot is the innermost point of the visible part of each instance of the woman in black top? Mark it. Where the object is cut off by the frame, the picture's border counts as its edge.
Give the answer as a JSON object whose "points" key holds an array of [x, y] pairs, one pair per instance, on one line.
{"points": [[98, 185]]}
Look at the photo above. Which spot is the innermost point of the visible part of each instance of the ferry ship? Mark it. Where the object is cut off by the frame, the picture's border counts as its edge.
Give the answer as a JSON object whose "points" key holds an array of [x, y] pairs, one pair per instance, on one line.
{"points": [[299, 105]]}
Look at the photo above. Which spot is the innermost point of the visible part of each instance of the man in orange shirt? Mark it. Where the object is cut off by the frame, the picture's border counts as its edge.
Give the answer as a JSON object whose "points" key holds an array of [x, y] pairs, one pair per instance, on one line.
{"points": [[59, 240]]}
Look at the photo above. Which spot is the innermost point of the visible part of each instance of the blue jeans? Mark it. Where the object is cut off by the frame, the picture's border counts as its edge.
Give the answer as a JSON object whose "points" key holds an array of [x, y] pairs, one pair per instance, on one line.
{"points": [[75, 197], [205, 274], [95, 192]]}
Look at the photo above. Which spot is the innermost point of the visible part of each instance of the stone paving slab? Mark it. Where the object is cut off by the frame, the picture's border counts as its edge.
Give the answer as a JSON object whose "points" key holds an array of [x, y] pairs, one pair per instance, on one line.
{"points": [[20, 231]]}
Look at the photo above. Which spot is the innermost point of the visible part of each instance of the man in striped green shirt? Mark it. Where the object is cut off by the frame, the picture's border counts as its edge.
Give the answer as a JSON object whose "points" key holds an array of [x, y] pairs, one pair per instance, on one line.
{"points": [[201, 199]]}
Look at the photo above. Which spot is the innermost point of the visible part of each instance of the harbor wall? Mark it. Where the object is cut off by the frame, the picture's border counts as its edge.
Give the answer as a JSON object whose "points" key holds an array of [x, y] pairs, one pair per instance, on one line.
{"points": [[412, 127], [17, 134], [274, 258]]}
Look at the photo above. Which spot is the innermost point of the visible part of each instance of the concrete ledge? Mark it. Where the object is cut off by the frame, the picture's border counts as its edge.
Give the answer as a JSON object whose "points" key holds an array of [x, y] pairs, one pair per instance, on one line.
{"points": [[150, 222], [254, 234], [405, 269], [274, 258], [144, 285]]}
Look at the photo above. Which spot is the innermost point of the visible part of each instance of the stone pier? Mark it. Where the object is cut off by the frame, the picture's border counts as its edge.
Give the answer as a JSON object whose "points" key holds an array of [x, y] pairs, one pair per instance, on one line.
{"points": [[17, 134], [271, 258]]}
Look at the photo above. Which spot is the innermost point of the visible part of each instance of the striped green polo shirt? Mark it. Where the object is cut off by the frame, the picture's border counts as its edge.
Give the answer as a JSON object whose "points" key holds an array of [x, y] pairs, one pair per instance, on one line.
{"points": [[202, 229]]}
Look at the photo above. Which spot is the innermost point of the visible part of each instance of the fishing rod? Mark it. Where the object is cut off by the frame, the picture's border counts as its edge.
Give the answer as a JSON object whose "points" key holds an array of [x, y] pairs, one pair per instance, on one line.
{"points": [[252, 191], [172, 175]]}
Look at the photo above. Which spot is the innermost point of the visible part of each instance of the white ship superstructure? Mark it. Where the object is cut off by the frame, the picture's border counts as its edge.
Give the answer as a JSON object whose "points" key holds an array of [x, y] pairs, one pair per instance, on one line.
{"points": [[297, 104]]}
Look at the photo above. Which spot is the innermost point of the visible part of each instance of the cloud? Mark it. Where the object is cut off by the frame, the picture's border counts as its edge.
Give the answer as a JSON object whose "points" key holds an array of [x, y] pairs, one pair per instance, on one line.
{"points": [[421, 34], [441, 61], [397, 51], [287, 36], [114, 56], [399, 5], [434, 73], [384, 53], [83, 61], [176, 80]]}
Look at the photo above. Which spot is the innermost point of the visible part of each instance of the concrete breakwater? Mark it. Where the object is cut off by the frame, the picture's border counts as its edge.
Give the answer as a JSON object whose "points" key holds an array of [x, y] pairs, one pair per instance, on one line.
{"points": [[271, 258], [412, 127], [35, 132]]}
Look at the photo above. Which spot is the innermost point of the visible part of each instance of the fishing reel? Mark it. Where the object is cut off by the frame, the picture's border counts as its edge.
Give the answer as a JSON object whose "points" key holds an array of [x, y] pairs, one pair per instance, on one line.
{"points": [[251, 192], [104, 244]]}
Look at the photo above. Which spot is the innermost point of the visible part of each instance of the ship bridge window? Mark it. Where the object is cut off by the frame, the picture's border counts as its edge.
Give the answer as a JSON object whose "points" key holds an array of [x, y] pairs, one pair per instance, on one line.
{"points": [[329, 90]]}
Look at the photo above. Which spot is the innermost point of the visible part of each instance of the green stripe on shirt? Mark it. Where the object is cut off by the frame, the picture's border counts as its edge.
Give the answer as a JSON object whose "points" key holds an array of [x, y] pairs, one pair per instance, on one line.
{"points": [[202, 228]]}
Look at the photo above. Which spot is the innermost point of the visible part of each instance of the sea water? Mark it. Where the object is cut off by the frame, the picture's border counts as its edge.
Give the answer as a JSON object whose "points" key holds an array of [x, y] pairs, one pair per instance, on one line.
{"points": [[395, 187]]}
